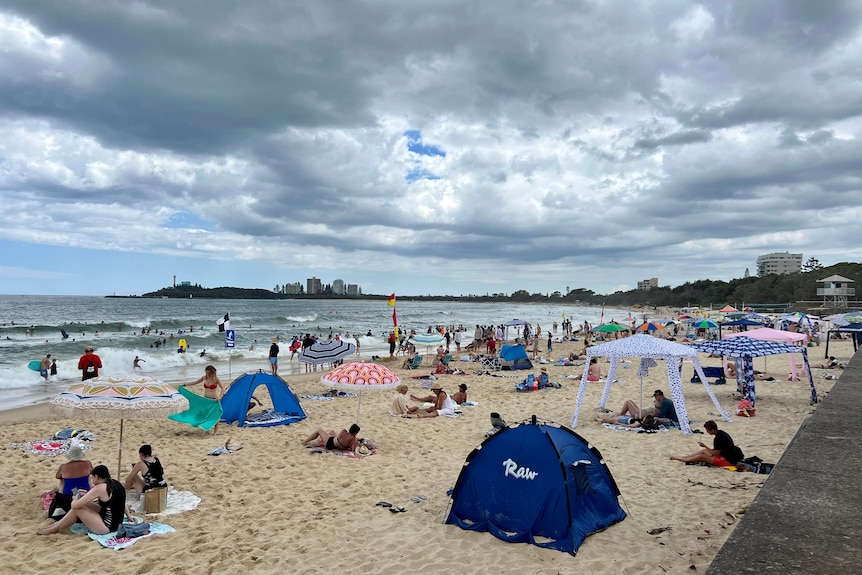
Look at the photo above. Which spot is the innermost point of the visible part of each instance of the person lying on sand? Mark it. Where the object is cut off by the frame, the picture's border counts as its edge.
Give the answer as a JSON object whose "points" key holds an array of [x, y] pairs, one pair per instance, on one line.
{"points": [[626, 420], [344, 440]]}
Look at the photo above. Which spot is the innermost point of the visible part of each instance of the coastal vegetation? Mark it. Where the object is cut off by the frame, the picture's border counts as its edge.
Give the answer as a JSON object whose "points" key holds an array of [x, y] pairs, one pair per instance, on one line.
{"points": [[773, 288]]}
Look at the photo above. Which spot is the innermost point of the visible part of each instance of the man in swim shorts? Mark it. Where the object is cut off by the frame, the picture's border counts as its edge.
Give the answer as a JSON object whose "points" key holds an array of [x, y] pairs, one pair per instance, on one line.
{"points": [[723, 453]]}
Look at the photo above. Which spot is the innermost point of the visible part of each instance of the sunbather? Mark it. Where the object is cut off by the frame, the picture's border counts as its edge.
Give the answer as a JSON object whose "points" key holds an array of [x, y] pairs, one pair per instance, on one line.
{"points": [[626, 420], [344, 440], [443, 404]]}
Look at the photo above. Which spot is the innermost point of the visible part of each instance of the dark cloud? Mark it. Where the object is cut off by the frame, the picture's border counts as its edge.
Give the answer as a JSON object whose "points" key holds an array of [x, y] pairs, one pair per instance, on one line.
{"points": [[553, 138]]}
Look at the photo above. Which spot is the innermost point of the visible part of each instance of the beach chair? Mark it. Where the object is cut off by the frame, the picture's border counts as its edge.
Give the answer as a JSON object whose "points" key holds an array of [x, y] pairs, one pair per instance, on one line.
{"points": [[446, 359], [491, 363], [417, 361]]}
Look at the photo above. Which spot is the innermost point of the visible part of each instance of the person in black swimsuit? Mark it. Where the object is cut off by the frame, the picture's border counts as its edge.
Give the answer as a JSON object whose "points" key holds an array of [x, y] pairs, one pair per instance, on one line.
{"points": [[344, 440], [100, 509], [147, 473]]}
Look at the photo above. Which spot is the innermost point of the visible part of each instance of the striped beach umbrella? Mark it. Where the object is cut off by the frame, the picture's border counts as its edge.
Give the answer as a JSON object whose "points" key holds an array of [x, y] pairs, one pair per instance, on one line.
{"points": [[129, 397], [359, 376], [327, 351]]}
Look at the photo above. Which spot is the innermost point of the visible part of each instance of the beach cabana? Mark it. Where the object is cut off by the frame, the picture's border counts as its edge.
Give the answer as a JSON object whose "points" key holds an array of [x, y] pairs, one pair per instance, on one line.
{"points": [[746, 348], [645, 346], [513, 323], [553, 489], [855, 331]]}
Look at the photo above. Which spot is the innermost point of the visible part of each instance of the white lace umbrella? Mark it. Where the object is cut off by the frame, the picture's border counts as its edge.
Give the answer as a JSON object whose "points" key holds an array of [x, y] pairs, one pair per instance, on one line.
{"points": [[359, 376], [128, 397]]}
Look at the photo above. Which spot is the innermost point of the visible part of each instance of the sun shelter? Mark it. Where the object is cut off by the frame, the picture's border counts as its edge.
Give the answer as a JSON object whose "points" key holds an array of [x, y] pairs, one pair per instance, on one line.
{"points": [[649, 347], [747, 348], [536, 483], [285, 405], [855, 331], [777, 335], [514, 322], [514, 357]]}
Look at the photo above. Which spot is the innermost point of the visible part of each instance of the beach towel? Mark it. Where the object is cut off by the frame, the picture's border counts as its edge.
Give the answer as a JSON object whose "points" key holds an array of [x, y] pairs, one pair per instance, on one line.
{"points": [[616, 427], [202, 412], [178, 502], [269, 417], [111, 541], [327, 397], [48, 447], [79, 434]]}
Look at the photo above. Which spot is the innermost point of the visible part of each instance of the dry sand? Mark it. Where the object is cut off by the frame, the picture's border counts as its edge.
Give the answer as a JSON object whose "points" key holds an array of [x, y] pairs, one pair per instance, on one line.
{"points": [[273, 507]]}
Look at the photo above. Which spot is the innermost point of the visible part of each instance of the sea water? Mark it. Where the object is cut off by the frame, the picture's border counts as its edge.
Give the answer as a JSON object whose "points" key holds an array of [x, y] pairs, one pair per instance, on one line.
{"points": [[30, 328]]}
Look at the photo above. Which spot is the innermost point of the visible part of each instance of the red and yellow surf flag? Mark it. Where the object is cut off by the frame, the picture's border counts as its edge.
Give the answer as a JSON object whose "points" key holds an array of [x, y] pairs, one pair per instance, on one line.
{"points": [[392, 300]]}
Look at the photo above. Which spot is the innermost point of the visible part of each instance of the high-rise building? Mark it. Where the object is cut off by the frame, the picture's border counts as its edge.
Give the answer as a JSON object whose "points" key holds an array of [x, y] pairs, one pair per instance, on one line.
{"points": [[648, 284], [293, 289], [779, 263], [338, 287], [352, 289], [312, 286]]}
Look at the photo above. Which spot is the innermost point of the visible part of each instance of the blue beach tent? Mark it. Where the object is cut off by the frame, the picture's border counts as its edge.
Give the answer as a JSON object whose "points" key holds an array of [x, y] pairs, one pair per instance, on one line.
{"points": [[537, 483], [285, 406], [514, 356]]}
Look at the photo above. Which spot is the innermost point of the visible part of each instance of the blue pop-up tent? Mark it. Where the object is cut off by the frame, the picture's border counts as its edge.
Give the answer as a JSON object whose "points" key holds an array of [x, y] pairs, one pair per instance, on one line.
{"points": [[513, 356], [285, 405], [536, 483]]}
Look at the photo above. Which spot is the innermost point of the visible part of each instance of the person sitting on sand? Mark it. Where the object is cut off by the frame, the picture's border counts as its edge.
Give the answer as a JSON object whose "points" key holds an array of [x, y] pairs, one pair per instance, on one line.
{"points": [[723, 453], [147, 473], [594, 372], [443, 404], [74, 474], [344, 440], [399, 402], [663, 409], [100, 509], [460, 396], [627, 420], [408, 361]]}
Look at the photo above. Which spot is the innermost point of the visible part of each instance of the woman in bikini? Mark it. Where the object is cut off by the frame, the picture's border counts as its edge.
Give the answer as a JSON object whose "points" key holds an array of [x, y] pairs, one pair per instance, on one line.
{"points": [[100, 509], [213, 388], [344, 440]]}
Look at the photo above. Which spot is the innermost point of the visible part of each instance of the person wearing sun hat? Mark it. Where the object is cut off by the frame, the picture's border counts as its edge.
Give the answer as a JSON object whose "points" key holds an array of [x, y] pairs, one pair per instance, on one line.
{"points": [[74, 474], [443, 404], [89, 364]]}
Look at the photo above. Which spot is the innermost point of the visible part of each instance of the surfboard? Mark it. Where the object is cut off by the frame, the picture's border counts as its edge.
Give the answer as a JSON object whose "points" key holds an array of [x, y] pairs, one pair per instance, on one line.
{"points": [[183, 344], [35, 365]]}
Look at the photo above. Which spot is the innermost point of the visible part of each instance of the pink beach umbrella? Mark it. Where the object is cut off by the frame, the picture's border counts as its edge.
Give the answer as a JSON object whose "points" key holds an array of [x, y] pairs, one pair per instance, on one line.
{"points": [[130, 397], [359, 376]]}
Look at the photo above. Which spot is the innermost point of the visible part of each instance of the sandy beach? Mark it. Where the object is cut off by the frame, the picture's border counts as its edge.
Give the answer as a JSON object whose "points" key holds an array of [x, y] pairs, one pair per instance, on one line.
{"points": [[274, 507]]}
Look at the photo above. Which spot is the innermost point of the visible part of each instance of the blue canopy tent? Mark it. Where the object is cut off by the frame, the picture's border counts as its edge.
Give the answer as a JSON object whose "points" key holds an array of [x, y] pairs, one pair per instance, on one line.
{"points": [[536, 483], [514, 356], [745, 323], [746, 348]]}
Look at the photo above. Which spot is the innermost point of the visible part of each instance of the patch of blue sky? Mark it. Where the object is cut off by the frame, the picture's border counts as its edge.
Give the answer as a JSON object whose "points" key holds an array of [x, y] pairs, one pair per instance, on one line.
{"points": [[188, 220], [419, 174], [417, 146]]}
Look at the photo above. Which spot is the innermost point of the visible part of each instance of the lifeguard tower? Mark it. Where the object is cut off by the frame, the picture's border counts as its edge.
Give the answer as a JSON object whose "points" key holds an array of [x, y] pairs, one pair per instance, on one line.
{"points": [[835, 291]]}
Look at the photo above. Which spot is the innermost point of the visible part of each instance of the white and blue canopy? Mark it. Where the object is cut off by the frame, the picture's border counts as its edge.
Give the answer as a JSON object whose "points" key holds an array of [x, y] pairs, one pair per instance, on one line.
{"points": [[649, 347]]}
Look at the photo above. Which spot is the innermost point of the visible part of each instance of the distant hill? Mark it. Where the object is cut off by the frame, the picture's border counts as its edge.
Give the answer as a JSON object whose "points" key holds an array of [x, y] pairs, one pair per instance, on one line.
{"points": [[785, 289]]}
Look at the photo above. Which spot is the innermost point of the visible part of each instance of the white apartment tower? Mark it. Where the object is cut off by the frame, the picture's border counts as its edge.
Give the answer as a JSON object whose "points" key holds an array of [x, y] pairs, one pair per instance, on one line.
{"points": [[779, 263]]}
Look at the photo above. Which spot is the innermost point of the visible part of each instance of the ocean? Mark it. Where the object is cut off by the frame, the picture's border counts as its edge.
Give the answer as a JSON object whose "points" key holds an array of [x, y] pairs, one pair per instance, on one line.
{"points": [[30, 328]]}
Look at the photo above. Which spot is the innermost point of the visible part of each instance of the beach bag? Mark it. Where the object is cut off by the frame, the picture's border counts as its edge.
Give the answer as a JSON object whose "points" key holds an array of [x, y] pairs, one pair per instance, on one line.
{"points": [[744, 409], [132, 530], [60, 506]]}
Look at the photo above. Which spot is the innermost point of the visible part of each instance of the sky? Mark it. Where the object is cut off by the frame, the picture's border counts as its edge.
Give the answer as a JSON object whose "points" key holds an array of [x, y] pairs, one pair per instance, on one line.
{"points": [[450, 147]]}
